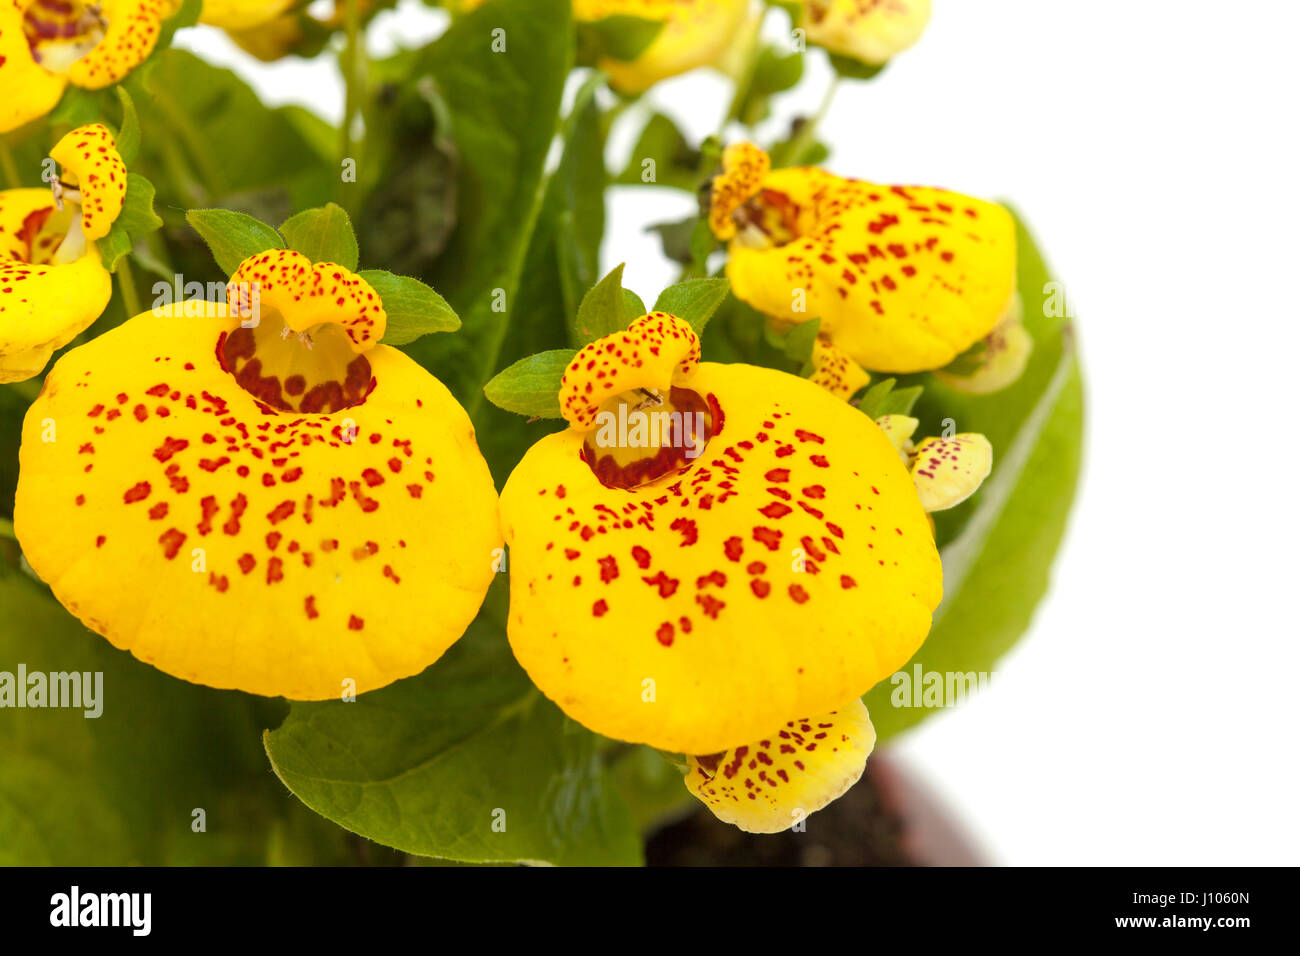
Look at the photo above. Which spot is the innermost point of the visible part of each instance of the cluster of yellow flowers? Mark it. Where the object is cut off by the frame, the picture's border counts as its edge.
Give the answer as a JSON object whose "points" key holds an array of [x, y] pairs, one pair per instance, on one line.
{"points": [[296, 468]]}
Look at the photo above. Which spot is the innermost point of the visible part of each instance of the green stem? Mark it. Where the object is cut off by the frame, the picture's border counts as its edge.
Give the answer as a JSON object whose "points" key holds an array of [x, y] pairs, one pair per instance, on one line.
{"points": [[8, 167], [746, 76], [349, 65], [126, 285]]}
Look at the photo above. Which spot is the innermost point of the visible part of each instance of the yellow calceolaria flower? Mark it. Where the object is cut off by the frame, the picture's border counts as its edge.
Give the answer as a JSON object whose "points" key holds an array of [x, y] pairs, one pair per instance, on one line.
{"points": [[241, 14], [946, 470], [52, 283], [695, 33], [870, 31], [706, 554], [260, 497], [903, 278], [47, 44]]}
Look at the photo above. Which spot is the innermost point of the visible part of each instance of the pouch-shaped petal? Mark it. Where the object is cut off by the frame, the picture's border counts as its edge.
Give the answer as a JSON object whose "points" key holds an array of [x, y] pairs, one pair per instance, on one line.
{"points": [[27, 90], [290, 553], [242, 14], [947, 471], [784, 569], [870, 32], [903, 278], [44, 304], [92, 164], [695, 33], [771, 784], [43, 308], [131, 35]]}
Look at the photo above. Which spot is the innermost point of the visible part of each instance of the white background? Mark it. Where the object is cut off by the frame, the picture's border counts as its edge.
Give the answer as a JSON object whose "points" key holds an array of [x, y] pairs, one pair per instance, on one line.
{"points": [[1149, 716]]}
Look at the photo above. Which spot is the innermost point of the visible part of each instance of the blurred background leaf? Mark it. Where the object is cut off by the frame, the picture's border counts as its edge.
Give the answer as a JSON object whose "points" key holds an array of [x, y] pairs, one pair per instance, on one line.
{"points": [[998, 547]]}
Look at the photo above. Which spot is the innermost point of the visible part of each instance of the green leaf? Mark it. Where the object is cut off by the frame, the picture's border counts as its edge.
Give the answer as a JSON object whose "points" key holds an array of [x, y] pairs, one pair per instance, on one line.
{"points": [[604, 310], [187, 16], [136, 221], [882, 399], [694, 300], [531, 386], [493, 98], [561, 263], [233, 236], [120, 789], [652, 787], [79, 107], [798, 342], [662, 157], [633, 307], [128, 134], [774, 72], [409, 175], [323, 234], [413, 308], [997, 548], [205, 109], [429, 764], [852, 69], [620, 37]]}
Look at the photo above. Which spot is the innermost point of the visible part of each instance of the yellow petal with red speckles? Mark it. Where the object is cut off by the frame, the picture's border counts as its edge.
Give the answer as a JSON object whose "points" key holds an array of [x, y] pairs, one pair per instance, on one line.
{"points": [[744, 167], [771, 784], [871, 31], [131, 35], [280, 553], [44, 303], [903, 278], [947, 471], [92, 164], [835, 371], [27, 90], [695, 33], [242, 14], [784, 569], [899, 429], [307, 295], [655, 348]]}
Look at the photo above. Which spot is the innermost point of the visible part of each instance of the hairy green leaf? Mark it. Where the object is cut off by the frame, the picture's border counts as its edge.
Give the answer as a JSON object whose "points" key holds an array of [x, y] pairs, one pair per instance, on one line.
{"points": [[413, 308], [531, 386], [323, 234], [605, 309], [128, 134], [136, 221], [233, 236], [694, 300]]}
